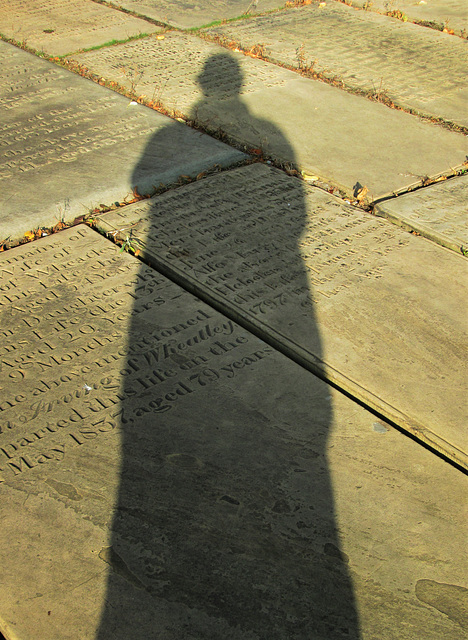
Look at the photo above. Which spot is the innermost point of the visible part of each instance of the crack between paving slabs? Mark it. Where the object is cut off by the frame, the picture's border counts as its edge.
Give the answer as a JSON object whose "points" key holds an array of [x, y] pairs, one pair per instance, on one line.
{"points": [[348, 387]]}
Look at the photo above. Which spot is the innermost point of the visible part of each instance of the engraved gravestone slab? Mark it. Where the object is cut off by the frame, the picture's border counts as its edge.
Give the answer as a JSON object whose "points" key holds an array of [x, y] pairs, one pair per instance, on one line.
{"points": [[365, 52], [185, 15], [438, 212], [342, 138], [165, 472], [68, 145], [169, 70], [450, 14], [58, 27], [282, 258]]}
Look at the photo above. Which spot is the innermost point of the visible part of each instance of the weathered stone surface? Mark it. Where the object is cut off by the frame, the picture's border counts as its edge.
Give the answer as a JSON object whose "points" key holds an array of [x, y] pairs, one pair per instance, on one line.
{"points": [[185, 15], [366, 52], [68, 145], [284, 258], [58, 27], [169, 70], [449, 14], [342, 138], [166, 474], [438, 212]]}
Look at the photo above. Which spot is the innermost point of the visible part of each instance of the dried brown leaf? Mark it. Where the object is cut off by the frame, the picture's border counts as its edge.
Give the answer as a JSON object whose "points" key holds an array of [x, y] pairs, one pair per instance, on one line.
{"points": [[361, 194]]}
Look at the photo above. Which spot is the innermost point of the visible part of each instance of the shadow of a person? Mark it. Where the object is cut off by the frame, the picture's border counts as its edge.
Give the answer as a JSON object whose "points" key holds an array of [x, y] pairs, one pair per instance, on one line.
{"points": [[224, 524]]}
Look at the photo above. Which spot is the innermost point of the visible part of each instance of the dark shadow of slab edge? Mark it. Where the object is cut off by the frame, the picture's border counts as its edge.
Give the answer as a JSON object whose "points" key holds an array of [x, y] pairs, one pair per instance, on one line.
{"points": [[437, 212], [381, 312]]}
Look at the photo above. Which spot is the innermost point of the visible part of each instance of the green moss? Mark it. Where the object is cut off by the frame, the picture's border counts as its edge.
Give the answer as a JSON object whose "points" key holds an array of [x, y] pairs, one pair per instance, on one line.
{"points": [[218, 23], [111, 43]]}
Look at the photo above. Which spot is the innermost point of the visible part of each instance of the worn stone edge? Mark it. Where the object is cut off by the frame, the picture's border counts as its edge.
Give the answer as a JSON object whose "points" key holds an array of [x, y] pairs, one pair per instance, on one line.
{"points": [[421, 229]]}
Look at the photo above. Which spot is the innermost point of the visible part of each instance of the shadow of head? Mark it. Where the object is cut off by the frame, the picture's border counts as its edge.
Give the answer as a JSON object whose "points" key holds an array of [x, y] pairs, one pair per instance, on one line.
{"points": [[221, 77]]}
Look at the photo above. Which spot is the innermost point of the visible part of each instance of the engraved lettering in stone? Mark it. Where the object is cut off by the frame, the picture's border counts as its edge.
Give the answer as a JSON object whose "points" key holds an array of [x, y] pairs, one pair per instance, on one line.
{"points": [[150, 348], [77, 24], [12, 451], [166, 72], [355, 54], [63, 135], [268, 264], [31, 361], [67, 399]]}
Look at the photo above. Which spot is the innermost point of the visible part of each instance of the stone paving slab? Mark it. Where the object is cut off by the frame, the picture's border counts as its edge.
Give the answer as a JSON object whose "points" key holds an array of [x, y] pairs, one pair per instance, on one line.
{"points": [[438, 212], [164, 473], [282, 258], [68, 145], [58, 27], [186, 15], [365, 51], [342, 138], [451, 14]]}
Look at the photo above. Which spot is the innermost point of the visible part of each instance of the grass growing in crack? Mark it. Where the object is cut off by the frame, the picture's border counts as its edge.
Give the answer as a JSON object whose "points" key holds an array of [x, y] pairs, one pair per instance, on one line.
{"points": [[133, 77], [303, 65], [132, 245], [295, 4], [34, 234], [380, 95], [110, 43], [396, 13], [219, 23], [392, 11], [309, 71], [23, 44], [430, 24]]}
